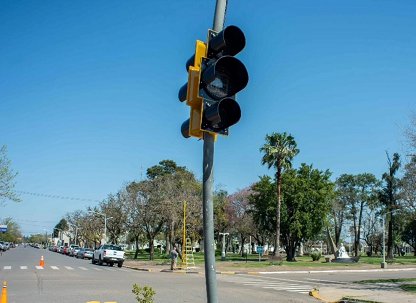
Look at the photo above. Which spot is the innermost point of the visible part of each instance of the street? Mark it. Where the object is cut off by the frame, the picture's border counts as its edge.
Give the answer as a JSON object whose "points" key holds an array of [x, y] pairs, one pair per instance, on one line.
{"points": [[66, 279]]}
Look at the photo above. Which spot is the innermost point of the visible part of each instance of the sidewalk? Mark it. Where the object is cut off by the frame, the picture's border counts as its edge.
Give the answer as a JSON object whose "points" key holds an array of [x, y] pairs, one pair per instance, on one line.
{"points": [[380, 292]]}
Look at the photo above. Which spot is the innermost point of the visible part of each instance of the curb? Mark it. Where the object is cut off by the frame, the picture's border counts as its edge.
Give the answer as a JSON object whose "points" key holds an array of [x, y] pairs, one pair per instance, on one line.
{"points": [[315, 293]]}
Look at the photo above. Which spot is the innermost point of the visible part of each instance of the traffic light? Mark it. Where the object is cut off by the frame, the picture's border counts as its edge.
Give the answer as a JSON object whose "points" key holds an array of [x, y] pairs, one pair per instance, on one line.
{"points": [[213, 81]]}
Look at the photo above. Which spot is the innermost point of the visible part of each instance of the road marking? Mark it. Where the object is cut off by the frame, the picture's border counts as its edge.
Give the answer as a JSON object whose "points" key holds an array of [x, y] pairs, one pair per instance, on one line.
{"points": [[23, 267], [326, 281], [83, 268], [7, 267], [97, 269], [39, 267], [55, 267], [69, 267]]}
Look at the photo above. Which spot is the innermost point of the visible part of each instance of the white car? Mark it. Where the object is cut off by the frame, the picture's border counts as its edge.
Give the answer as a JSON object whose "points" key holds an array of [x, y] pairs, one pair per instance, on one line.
{"points": [[108, 253]]}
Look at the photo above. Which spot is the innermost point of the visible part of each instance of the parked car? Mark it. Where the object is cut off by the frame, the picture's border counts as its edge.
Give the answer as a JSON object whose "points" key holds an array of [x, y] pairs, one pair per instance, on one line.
{"points": [[108, 253], [74, 250], [85, 253]]}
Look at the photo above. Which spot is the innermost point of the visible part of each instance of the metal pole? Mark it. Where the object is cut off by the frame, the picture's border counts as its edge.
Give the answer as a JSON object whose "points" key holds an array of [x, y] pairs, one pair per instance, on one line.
{"points": [[208, 180], [208, 214], [219, 17], [105, 229], [76, 234], [384, 242]]}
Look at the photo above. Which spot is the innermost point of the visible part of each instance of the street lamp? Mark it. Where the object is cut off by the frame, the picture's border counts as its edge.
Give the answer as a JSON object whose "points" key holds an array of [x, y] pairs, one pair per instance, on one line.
{"points": [[105, 222]]}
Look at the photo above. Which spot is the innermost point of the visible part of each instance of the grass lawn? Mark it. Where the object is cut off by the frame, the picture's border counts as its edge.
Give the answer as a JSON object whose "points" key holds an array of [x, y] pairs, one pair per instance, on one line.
{"points": [[252, 261], [409, 287]]}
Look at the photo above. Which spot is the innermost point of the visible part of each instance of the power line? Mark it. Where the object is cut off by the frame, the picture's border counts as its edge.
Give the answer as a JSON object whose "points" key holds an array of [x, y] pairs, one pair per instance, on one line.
{"points": [[55, 196]]}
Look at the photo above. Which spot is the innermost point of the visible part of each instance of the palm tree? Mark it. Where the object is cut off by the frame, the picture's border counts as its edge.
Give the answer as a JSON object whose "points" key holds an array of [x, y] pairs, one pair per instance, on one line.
{"points": [[279, 150]]}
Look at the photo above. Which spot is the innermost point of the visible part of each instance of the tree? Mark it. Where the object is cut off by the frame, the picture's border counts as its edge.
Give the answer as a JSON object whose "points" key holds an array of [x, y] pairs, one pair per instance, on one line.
{"points": [[113, 208], [356, 193], [408, 188], [60, 227], [409, 234], [279, 151], [7, 176], [239, 216], [263, 208], [177, 185], [389, 196], [148, 201], [307, 196], [13, 233]]}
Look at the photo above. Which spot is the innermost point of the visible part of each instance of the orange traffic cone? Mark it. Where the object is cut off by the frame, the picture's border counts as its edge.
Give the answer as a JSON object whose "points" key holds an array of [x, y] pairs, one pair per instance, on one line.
{"points": [[42, 262], [4, 293]]}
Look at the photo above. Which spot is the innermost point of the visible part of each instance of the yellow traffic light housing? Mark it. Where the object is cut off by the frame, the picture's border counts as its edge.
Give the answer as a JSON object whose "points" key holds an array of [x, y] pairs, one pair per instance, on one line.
{"points": [[193, 99]]}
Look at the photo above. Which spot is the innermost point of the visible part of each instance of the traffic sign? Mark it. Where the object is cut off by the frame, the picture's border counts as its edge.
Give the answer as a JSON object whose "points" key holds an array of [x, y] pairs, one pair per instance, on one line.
{"points": [[3, 228], [260, 250]]}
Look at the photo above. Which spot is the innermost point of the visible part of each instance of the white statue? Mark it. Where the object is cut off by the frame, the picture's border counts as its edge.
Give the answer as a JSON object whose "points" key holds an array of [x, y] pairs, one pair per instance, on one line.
{"points": [[342, 252]]}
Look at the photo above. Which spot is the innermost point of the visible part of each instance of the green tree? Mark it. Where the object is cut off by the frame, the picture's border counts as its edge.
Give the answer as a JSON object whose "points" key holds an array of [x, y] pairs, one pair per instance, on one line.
{"points": [[279, 151], [389, 196], [60, 227], [307, 196], [7, 176], [113, 208], [13, 233], [263, 208], [356, 193]]}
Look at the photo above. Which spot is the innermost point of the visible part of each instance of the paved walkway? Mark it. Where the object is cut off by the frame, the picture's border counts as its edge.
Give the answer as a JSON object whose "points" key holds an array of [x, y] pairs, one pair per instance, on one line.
{"points": [[380, 292]]}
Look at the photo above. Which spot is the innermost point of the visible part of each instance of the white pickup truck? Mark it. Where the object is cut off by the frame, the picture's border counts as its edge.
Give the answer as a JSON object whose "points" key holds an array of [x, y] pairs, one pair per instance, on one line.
{"points": [[108, 253]]}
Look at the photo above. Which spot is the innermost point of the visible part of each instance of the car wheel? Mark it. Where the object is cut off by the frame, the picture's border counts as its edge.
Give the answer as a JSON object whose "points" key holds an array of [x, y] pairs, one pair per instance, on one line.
{"points": [[100, 262], [111, 264], [120, 264]]}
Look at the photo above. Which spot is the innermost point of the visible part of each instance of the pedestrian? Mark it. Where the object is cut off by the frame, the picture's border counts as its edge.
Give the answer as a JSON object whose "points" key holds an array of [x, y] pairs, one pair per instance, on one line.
{"points": [[173, 258]]}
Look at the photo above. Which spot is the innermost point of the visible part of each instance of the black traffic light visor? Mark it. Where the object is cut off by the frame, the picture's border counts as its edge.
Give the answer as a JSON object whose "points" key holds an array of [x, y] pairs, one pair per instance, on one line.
{"points": [[223, 114], [226, 77], [231, 41]]}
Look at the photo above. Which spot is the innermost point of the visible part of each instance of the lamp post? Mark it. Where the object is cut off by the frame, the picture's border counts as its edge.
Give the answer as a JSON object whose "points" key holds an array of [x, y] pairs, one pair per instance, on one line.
{"points": [[105, 222]]}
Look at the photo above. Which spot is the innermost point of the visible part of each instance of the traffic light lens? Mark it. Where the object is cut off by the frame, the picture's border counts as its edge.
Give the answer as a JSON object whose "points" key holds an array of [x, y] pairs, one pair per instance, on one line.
{"points": [[218, 88], [224, 78]]}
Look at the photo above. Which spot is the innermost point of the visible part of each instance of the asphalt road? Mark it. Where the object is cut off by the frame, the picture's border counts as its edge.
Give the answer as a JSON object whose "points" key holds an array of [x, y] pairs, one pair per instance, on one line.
{"points": [[66, 279]]}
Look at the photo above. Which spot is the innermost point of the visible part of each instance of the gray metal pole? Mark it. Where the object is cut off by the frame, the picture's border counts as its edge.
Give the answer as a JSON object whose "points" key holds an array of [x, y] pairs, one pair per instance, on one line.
{"points": [[208, 213], [105, 229], [208, 180], [219, 17]]}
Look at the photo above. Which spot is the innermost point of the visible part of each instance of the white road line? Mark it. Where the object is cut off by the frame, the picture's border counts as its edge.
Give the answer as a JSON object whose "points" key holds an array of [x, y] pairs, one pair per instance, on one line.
{"points": [[97, 269], [326, 281], [83, 268], [69, 267], [39, 267], [23, 267], [7, 267], [55, 267]]}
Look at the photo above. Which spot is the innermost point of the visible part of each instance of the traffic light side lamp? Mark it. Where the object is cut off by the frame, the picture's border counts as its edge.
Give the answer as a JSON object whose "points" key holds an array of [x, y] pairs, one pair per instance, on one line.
{"points": [[190, 93]]}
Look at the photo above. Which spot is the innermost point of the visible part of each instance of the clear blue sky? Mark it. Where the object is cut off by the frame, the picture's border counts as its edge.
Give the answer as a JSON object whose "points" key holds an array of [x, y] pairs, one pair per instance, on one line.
{"points": [[88, 91]]}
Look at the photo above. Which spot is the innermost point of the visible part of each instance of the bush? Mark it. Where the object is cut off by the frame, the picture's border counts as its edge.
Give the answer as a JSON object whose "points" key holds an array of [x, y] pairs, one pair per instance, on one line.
{"points": [[316, 255], [143, 294]]}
